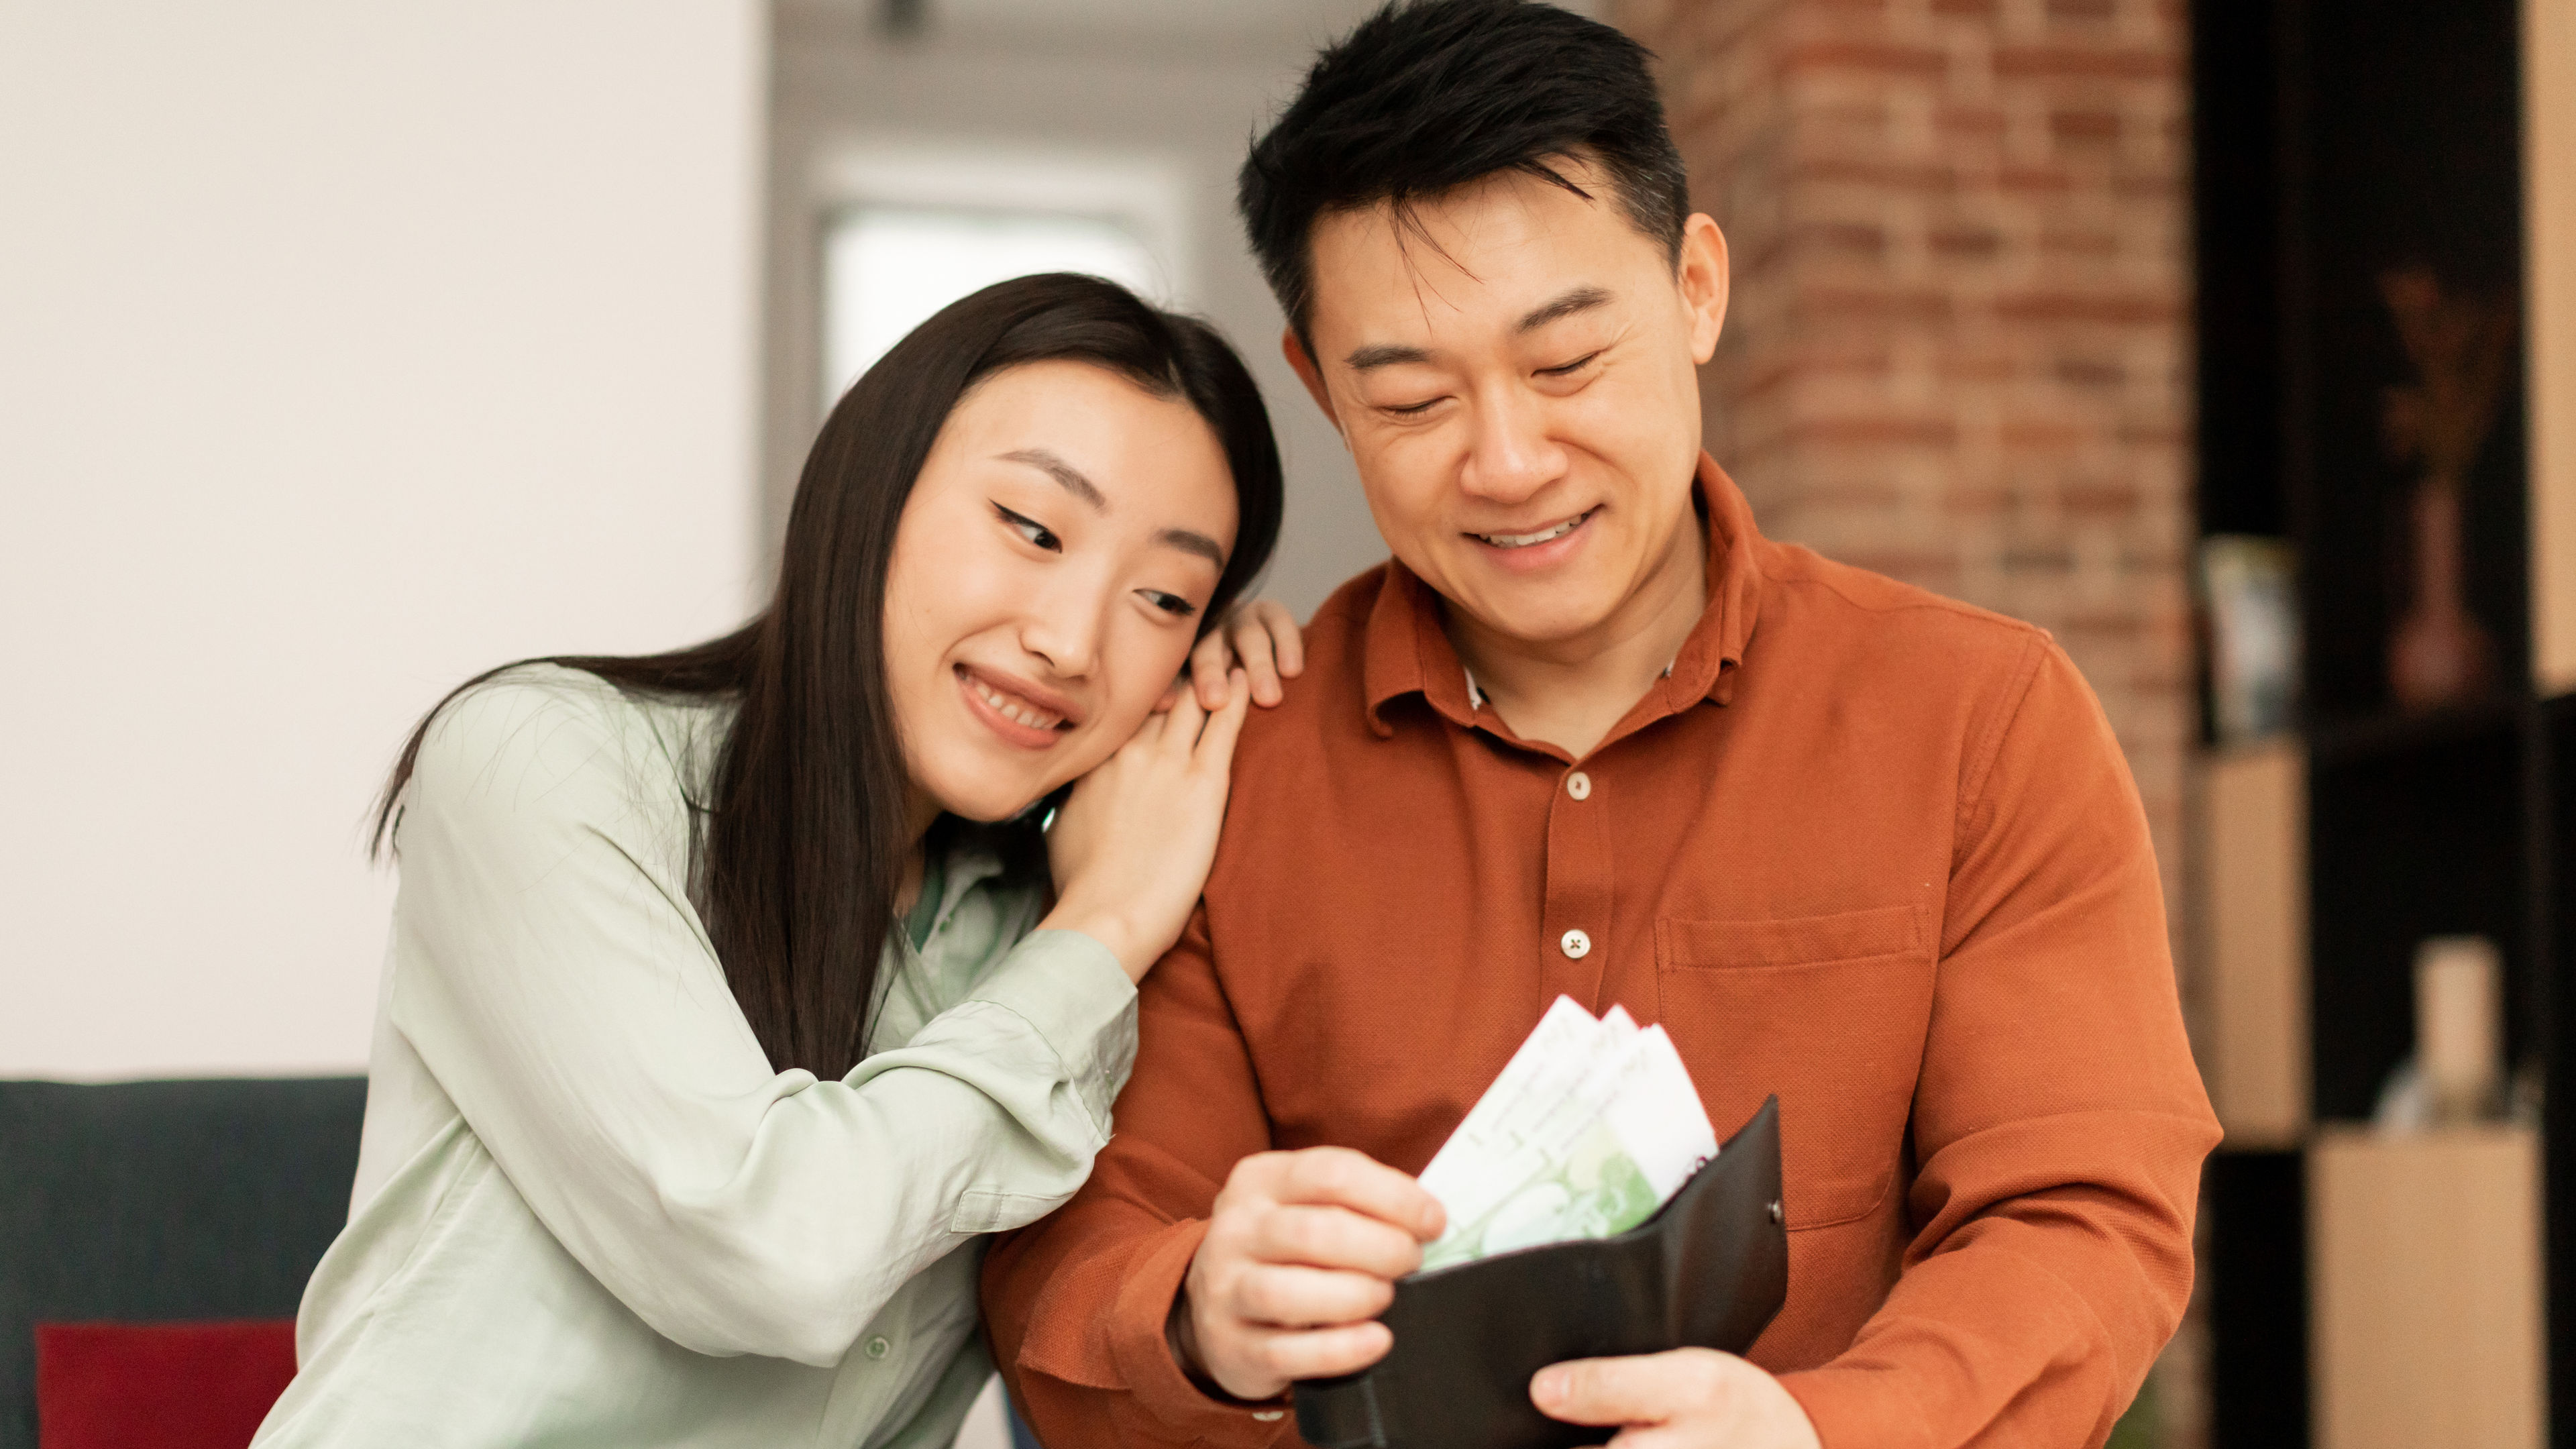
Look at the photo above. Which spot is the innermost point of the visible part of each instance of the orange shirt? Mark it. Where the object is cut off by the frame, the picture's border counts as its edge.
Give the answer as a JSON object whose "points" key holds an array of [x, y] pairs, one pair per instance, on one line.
{"points": [[1863, 847]]}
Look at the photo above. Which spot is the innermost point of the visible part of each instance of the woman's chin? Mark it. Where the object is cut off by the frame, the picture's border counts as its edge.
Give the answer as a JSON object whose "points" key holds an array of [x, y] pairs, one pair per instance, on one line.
{"points": [[987, 806]]}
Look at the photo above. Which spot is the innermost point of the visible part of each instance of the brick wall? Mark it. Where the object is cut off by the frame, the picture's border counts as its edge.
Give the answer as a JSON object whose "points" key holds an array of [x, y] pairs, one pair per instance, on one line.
{"points": [[1959, 346]]}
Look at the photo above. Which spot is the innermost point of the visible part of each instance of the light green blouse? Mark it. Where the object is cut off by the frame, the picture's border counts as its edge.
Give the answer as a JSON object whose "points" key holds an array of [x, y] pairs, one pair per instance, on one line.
{"points": [[587, 1212]]}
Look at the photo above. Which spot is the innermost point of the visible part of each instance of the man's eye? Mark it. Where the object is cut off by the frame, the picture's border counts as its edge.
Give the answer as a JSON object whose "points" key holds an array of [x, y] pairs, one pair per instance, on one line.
{"points": [[1406, 410], [1030, 529], [1570, 368], [1172, 604]]}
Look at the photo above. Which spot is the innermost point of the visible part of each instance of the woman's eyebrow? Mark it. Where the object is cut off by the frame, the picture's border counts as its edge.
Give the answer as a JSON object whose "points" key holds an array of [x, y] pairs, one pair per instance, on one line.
{"points": [[1190, 542], [1070, 478], [1064, 473]]}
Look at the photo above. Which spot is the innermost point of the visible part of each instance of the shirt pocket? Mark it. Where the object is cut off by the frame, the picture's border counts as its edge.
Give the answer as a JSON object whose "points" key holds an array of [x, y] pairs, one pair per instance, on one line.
{"points": [[1830, 1013]]}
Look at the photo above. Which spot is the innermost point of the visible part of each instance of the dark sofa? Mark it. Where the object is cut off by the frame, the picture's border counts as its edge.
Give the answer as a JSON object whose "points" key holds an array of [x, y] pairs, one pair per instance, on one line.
{"points": [[160, 1202]]}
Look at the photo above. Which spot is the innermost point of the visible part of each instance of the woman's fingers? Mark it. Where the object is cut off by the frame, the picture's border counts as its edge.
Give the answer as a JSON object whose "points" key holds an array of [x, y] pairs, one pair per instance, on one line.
{"points": [[1258, 653], [1210, 661], [1262, 637], [1216, 741], [1181, 724], [1287, 642]]}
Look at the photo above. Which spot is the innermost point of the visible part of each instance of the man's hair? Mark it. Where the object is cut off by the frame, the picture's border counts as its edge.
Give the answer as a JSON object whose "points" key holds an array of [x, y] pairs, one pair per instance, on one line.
{"points": [[1429, 95]]}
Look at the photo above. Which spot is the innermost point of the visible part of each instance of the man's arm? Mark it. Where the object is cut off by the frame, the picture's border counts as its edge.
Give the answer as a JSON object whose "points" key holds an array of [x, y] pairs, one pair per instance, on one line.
{"points": [[2060, 1125], [2059, 1121]]}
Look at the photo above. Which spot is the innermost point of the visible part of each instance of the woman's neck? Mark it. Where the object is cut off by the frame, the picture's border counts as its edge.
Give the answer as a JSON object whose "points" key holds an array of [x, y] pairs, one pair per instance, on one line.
{"points": [[923, 812]]}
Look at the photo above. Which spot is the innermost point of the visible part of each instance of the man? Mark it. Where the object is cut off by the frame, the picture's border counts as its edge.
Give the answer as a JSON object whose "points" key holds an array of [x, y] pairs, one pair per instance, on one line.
{"points": [[1590, 734]]}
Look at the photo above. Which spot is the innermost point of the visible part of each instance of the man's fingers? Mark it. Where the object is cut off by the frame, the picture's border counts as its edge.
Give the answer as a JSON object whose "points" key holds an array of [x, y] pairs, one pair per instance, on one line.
{"points": [[1647, 1389], [1284, 1295], [1315, 1353], [1335, 1237], [1338, 1176]]}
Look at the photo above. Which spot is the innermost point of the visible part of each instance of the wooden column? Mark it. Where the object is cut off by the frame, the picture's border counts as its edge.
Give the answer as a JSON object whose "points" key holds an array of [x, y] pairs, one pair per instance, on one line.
{"points": [[2549, 264]]}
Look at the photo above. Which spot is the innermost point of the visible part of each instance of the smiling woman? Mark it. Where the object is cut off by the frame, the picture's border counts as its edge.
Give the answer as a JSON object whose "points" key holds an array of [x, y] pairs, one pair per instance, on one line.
{"points": [[734, 992]]}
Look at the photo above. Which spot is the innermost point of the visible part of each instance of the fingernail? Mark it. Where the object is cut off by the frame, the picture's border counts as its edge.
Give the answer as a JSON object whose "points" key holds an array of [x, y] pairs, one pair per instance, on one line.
{"points": [[1548, 1387]]}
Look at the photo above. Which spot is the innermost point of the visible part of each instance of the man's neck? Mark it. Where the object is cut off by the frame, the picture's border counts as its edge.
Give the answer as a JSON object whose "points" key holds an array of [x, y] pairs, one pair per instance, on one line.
{"points": [[1570, 692]]}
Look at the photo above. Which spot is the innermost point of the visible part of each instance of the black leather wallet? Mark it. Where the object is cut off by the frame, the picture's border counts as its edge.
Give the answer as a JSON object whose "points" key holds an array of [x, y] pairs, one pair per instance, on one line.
{"points": [[1709, 1270]]}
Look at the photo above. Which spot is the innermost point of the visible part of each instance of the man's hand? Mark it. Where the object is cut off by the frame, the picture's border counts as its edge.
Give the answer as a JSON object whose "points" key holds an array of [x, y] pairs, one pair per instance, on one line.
{"points": [[1302, 1252], [1686, 1399]]}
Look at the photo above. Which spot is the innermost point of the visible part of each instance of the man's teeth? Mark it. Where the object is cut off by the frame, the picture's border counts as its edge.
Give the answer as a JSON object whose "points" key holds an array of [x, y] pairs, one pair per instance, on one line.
{"points": [[1011, 709], [1524, 540]]}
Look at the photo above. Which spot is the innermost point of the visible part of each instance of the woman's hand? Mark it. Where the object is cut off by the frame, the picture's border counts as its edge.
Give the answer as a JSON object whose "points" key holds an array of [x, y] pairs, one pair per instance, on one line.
{"points": [[1262, 637], [1131, 847]]}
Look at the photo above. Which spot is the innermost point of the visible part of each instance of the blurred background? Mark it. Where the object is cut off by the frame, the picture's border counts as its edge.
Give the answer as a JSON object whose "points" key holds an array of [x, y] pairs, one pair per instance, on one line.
{"points": [[348, 350]]}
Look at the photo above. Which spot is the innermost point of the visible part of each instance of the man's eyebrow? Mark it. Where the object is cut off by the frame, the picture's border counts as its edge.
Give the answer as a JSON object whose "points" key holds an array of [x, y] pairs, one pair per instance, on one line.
{"points": [[1065, 474], [1384, 354], [1188, 541], [1581, 299]]}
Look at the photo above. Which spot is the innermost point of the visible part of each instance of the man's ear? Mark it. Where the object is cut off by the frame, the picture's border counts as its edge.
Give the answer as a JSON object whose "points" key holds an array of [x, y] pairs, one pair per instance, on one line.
{"points": [[1704, 282], [1309, 374]]}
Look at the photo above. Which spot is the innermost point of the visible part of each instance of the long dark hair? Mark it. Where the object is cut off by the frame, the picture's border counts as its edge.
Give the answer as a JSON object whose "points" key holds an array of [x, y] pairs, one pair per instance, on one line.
{"points": [[798, 849]]}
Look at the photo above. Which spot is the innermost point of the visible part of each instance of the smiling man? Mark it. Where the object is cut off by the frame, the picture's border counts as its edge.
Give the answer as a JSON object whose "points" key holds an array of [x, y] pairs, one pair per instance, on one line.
{"points": [[1589, 733]]}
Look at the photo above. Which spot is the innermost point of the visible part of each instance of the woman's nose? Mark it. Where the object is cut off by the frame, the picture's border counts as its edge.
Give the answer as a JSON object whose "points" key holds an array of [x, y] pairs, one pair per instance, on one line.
{"points": [[1063, 627]]}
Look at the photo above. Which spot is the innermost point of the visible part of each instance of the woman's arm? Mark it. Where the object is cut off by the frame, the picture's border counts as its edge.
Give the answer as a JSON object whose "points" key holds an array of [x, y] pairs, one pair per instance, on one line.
{"points": [[553, 979]]}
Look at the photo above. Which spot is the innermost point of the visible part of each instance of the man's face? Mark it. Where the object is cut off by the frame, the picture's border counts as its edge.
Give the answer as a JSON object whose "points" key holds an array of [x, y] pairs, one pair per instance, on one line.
{"points": [[1516, 382]]}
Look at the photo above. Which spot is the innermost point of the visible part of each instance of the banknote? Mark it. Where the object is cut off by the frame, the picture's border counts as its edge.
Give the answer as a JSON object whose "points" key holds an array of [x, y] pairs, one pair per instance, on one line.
{"points": [[1591, 1127]]}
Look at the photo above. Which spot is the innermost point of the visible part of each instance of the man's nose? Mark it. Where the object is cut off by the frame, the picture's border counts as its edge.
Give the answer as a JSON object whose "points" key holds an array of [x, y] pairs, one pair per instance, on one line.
{"points": [[1510, 455]]}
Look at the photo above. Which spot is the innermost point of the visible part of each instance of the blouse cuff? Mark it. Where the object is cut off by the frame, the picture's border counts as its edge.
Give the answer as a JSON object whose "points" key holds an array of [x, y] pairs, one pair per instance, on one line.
{"points": [[1073, 992]]}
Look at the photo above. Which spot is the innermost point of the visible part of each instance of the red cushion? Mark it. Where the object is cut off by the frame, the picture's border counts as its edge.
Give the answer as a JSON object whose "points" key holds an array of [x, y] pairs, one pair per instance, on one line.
{"points": [[167, 1385]]}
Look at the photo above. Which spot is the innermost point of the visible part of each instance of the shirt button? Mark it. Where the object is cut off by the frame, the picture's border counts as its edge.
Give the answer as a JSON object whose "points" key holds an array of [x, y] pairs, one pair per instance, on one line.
{"points": [[1575, 944], [1579, 785], [878, 1346]]}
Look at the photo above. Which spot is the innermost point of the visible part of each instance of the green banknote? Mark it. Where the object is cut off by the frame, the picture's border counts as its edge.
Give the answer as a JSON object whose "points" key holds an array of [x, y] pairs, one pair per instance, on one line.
{"points": [[1591, 1127]]}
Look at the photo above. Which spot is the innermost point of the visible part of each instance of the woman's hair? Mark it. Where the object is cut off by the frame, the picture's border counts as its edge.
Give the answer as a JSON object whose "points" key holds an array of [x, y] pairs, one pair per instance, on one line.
{"points": [[797, 852]]}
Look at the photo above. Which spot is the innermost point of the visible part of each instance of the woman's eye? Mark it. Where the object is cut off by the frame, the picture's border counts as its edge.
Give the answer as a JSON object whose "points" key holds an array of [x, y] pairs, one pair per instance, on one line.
{"points": [[1570, 368], [1172, 604], [1031, 530]]}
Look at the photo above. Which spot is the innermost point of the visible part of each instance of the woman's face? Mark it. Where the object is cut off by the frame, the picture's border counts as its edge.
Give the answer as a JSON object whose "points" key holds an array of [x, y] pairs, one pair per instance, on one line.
{"points": [[1049, 573]]}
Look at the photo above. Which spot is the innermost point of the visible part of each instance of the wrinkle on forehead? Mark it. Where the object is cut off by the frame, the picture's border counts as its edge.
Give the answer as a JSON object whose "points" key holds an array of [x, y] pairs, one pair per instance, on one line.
{"points": [[1406, 224]]}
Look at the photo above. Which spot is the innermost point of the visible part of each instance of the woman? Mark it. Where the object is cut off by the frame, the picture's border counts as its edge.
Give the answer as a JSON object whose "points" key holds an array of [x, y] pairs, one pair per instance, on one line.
{"points": [[727, 1001]]}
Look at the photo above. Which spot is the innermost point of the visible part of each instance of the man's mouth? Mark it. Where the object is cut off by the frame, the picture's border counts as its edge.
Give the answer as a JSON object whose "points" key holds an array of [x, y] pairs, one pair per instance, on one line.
{"points": [[1531, 540], [1010, 706]]}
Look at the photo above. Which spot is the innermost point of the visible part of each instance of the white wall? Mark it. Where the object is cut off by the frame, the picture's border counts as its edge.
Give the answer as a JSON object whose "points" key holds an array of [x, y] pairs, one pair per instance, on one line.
{"points": [[345, 349]]}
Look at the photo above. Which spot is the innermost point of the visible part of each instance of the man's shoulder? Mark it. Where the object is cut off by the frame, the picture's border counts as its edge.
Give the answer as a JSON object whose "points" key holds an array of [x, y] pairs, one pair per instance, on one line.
{"points": [[1330, 699], [1844, 607]]}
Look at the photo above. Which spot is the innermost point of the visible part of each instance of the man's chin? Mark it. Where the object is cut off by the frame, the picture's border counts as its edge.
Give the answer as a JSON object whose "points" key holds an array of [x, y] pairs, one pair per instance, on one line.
{"points": [[1538, 621]]}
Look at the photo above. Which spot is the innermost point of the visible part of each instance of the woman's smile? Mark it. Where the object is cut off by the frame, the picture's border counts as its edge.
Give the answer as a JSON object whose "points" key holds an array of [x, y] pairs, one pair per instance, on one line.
{"points": [[1019, 712]]}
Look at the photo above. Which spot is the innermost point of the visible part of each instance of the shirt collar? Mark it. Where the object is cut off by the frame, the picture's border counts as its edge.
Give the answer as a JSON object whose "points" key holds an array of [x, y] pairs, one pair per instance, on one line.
{"points": [[1407, 652]]}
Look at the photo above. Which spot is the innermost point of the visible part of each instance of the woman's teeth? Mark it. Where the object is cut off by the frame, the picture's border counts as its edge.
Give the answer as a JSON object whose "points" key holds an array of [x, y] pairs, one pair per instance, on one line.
{"points": [[1524, 540], [1011, 709]]}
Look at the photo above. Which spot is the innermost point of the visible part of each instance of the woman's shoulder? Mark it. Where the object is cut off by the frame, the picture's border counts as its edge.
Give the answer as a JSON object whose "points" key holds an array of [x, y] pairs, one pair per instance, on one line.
{"points": [[546, 737]]}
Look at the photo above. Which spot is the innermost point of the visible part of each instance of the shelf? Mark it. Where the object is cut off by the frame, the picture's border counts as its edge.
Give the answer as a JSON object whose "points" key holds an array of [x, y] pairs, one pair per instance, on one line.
{"points": [[2359, 738]]}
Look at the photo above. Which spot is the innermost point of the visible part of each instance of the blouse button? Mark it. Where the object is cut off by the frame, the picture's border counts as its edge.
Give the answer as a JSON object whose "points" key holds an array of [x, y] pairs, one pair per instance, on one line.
{"points": [[1579, 785], [878, 1346], [1575, 944]]}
